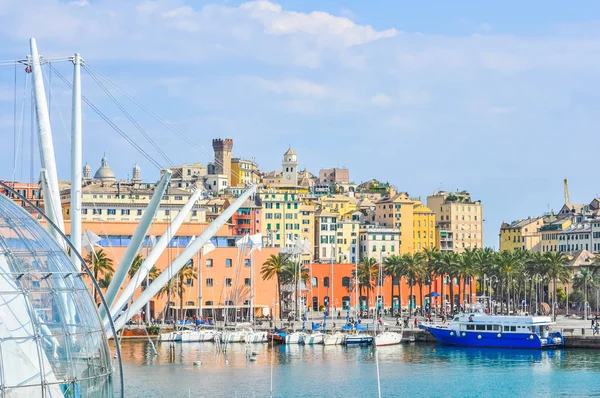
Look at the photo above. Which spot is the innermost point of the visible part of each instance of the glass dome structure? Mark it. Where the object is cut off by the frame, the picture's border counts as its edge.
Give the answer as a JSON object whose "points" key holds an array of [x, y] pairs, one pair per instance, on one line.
{"points": [[52, 342]]}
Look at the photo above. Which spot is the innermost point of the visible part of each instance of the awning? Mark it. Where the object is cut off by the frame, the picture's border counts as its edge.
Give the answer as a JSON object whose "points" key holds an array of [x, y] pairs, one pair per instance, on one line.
{"points": [[433, 294]]}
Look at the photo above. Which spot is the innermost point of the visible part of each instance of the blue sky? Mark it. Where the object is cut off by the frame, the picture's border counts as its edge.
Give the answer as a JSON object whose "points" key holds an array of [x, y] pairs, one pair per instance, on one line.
{"points": [[499, 99]]}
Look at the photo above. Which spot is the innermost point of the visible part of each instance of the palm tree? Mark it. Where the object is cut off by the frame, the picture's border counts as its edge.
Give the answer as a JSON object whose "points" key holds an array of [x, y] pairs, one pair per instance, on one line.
{"points": [[392, 266], [367, 273], [137, 263], [184, 278], [274, 268], [466, 268], [101, 265], [289, 275], [431, 259], [556, 264], [483, 262], [448, 265], [508, 263], [586, 280], [413, 267]]}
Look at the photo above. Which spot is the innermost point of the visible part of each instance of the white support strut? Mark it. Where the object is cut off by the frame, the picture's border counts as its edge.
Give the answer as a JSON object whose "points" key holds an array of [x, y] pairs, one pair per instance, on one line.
{"points": [[47, 159], [151, 259], [181, 260], [76, 162], [136, 242]]}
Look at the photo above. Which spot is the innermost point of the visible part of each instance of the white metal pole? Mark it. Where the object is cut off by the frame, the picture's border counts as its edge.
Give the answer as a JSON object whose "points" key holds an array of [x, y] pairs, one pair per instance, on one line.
{"points": [[198, 261], [154, 255], [251, 314], [47, 159], [76, 162], [182, 260], [136, 241]]}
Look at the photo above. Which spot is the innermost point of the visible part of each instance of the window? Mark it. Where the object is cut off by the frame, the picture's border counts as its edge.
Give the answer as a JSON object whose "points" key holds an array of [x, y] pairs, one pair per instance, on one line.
{"points": [[178, 197], [326, 281], [125, 212], [209, 302], [470, 327], [228, 282], [189, 282], [246, 262], [167, 212], [315, 282], [479, 327], [228, 262], [97, 211], [209, 282], [246, 281], [346, 281], [111, 212], [139, 212]]}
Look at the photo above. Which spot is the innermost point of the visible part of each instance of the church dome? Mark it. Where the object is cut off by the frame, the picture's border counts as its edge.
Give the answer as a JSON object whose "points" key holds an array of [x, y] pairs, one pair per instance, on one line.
{"points": [[52, 341], [104, 173]]}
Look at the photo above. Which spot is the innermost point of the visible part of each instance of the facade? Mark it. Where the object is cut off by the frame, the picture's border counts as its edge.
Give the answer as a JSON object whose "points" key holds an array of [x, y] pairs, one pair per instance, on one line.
{"points": [[286, 216], [575, 237], [334, 176], [338, 203], [550, 233], [186, 176], [31, 191], [244, 172], [378, 242], [459, 220], [522, 235], [347, 231], [216, 183], [396, 211], [222, 162], [325, 235], [247, 220], [424, 233]]}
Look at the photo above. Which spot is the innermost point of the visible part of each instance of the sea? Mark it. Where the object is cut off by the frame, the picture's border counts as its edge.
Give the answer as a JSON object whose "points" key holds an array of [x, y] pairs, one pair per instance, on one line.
{"points": [[408, 370]]}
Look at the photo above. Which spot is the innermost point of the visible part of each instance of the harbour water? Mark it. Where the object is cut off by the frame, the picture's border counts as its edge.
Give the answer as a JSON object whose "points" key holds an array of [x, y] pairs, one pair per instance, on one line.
{"points": [[423, 370]]}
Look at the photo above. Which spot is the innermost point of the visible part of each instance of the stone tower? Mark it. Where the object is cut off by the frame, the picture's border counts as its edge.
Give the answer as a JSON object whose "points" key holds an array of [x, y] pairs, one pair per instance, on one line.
{"points": [[87, 172], [222, 162], [290, 168], [137, 174]]}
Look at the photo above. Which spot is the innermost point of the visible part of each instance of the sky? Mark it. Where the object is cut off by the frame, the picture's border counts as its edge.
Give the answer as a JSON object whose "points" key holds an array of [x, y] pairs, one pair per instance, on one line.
{"points": [[497, 99]]}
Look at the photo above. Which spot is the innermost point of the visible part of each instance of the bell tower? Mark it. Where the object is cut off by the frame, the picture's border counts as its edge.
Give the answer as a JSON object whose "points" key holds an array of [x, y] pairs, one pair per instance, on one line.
{"points": [[290, 168]]}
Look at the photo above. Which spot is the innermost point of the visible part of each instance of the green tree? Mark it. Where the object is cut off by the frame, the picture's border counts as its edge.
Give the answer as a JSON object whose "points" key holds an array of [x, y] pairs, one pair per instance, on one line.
{"points": [[367, 273], [557, 270], [392, 266], [274, 268], [448, 265], [414, 269], [183, 278], [102, 266], [137, 263]]}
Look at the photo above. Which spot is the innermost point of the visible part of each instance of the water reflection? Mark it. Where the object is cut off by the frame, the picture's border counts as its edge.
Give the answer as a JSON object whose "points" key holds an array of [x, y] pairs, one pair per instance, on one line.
{"points": [[350, 372]]}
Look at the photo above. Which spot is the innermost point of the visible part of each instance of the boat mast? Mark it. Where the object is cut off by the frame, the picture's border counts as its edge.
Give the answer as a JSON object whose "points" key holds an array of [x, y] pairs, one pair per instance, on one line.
{"points": [[52, 204], [76, 162]]}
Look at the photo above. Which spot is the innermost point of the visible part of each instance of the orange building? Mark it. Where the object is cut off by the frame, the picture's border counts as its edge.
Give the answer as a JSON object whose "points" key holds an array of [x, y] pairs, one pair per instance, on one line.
{"points": [[30, 191], [247, 219], [322, 282], [223, 275]]}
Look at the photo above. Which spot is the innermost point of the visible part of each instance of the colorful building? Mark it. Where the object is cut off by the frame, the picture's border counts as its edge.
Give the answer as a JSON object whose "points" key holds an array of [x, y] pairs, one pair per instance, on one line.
{"points": [[244, 172], [247, 219], [521, 235], [31, 191], [424, 232], [459, 220], [397, 211]]}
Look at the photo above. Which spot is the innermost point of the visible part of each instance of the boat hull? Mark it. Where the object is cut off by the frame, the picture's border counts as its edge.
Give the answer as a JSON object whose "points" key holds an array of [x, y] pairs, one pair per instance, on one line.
{"points": [[493, 339], [334, 339], [276, 338], [358, 340], [388, 338], [197, 336], [295, 338], [315, 338]]}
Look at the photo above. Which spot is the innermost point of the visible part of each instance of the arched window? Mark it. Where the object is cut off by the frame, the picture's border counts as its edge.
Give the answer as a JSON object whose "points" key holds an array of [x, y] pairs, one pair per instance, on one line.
{"points": [[209, 302], [189, 303], [315, 304], [326, 281], [315, 282], [346, 281]]}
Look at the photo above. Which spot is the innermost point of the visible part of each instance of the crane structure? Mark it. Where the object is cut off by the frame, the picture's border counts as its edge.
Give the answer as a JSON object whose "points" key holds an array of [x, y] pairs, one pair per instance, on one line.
{"points": [[567, 196]]}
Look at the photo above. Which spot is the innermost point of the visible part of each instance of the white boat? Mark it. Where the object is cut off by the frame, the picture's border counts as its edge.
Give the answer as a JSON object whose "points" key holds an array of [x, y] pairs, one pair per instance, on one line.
{"points": [[314, 338], [295, 338], [232, 336], [335, 338], [255, 337], [196, 336], [171, 336], [388, 338]]}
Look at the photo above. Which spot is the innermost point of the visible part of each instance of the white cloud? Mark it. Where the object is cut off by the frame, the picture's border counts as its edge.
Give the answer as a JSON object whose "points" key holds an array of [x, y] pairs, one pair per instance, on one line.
{"points": [[291, 86], [381, 100]]}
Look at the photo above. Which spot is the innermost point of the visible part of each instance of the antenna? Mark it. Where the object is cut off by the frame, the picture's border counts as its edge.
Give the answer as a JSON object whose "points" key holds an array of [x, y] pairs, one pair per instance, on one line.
{"points": [[567, 196]]}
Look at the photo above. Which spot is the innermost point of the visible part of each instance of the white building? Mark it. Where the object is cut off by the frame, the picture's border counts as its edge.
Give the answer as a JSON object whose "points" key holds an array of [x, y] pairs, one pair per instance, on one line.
{"points": [[378, 242]]}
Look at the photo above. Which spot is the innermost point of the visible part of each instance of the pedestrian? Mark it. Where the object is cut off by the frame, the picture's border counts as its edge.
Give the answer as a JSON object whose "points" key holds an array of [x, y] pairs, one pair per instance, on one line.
{"points": [[416, 322]]}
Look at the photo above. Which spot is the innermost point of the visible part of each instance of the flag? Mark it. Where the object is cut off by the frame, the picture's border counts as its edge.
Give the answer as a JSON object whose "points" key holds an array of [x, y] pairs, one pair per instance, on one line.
{"points": [[207, 248], [257, 242], [89, 239]]}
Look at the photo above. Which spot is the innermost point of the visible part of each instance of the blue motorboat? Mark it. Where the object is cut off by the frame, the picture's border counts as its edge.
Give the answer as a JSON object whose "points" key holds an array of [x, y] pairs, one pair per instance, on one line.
{"points": [[481, 330]]}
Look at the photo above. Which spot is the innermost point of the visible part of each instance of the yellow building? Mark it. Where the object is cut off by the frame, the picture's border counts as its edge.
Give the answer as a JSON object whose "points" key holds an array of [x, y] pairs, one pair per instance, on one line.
{"points": [[341, 203], [285, 217], [244, 172], [397, 211], [550, 233], [326, 222], [424, 233], [458, 220], [346, 240], [521, 235]]}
